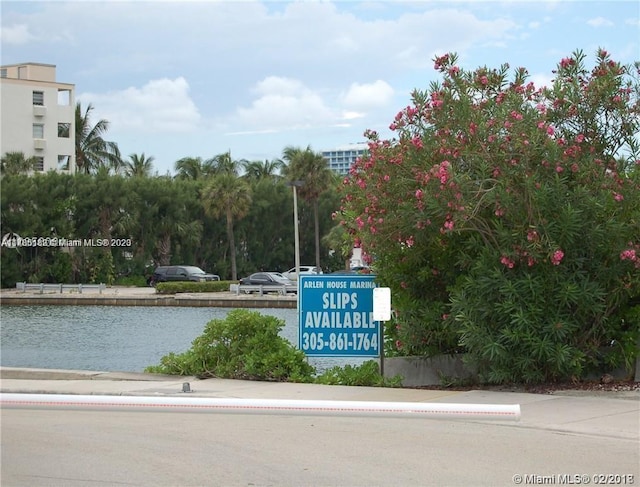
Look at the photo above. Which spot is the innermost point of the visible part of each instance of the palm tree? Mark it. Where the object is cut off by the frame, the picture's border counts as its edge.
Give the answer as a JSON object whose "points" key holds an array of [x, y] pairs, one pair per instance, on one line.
{"points": [[257, 170], [92, 151], [138, 166], [313, 169], [223, 163], [193, 168], [230, 196], [17, 163]]}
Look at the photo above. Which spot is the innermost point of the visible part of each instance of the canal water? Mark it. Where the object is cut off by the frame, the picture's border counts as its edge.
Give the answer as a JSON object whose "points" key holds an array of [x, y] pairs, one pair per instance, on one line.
{"points": [[116, 338]]}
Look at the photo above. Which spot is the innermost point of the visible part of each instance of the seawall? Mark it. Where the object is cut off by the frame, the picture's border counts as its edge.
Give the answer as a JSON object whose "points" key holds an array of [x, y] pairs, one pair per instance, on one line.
{"points": [[126, 296]]}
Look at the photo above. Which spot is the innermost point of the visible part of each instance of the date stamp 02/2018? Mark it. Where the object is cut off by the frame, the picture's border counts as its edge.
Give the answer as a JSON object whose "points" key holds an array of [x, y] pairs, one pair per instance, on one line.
{"points": [[574, 479]]}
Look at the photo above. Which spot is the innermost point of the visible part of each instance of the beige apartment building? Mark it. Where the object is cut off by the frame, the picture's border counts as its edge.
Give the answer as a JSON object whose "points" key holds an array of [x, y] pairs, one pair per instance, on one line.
{"points": [[37, 116]]}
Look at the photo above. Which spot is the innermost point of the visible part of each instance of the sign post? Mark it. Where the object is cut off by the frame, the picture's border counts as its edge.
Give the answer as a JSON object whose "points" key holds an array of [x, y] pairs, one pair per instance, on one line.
{"points": [[382, 312], [336, 316]]}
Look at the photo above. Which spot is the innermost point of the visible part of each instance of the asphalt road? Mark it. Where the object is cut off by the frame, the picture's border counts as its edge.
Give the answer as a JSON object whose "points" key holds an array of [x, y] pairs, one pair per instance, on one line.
{"points": [[114, 448]]}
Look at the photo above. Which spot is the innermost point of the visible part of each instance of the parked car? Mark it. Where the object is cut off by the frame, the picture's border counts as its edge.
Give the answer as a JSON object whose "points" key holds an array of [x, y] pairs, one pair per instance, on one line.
{"points": [[304, 269], [269, 279], [180, 273]]}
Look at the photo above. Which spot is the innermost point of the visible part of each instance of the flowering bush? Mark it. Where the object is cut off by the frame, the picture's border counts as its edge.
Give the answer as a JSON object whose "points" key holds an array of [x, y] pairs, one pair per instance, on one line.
{"points": [[506, 219]]}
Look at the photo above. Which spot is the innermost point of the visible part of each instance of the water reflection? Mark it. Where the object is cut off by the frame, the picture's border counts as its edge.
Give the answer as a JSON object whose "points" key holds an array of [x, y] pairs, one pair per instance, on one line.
{"points": [[114, 338]]}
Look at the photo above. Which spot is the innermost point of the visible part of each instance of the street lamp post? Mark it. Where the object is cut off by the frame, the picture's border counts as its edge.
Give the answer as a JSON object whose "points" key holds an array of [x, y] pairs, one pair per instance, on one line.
{"points": [[296, 185]]}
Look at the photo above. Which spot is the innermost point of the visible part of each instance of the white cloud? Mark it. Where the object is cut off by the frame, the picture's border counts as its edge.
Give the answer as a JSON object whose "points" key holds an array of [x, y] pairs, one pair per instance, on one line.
{"points": [[16, 34], [283, 104], [162, 105], [600, 22], [366, 96]]}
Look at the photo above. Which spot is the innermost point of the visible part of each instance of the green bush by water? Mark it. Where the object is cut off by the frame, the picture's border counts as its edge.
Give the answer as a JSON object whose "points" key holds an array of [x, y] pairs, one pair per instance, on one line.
{"points": [[247, 345]]}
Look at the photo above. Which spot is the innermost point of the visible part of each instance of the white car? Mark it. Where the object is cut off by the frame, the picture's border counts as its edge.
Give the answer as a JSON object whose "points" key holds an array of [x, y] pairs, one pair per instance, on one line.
{"points": [[304, 269]]}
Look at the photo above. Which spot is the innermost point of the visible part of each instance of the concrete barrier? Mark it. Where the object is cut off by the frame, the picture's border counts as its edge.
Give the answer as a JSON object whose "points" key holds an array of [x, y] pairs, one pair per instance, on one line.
{"points": [[423, 371]]}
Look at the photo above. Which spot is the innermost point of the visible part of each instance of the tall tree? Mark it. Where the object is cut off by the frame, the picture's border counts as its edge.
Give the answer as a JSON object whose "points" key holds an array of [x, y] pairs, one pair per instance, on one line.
{"points": [[257, 170], [138, 165], [92, 151], [224, 163], [230, 196], [313, 169], [193, 168], [16, 163]]}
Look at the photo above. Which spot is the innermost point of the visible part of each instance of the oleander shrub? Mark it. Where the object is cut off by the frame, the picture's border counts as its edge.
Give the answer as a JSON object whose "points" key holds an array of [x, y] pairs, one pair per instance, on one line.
{"points": [[504, 217], [244, 345]]}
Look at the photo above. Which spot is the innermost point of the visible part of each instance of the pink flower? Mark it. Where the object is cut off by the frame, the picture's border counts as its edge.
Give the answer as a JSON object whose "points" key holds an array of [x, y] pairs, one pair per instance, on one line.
{"points": [[566, 62], [557, 257], [506, 261], [618, 197], [550, 130], [448, 225], [629, 254], [419, 194], [484, 80], [579, 138]]}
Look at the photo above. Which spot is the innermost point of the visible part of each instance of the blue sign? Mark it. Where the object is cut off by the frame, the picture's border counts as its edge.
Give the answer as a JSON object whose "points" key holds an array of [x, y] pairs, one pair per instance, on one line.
{"points": [[336, 316]]}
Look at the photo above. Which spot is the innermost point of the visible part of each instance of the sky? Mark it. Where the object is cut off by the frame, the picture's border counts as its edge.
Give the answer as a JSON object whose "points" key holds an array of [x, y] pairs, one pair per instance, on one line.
{"points": [[201, 78]]}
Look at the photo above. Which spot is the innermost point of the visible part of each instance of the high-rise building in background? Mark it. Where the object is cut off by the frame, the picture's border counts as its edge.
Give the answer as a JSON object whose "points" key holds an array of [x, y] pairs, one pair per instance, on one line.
{"points": [[341, 158], [37, 116]]}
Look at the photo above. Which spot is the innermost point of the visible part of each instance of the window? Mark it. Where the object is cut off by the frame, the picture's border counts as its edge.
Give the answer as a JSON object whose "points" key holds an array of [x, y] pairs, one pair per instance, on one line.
{"points": [[3, 72], [64, 129], [64, 98], [39, 164], [63, 163], [38, 98], [38, 131]]}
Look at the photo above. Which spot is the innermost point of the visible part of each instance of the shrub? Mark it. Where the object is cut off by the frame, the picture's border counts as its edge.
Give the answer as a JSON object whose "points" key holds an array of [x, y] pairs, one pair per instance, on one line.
{"points": [[504, 218], [244, 345], [192, 287], [366, 374], [134, 281]]}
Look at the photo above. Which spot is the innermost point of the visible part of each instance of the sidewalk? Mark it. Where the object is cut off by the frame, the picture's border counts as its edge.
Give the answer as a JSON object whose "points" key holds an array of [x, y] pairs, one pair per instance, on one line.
{"points": [[615, 415]]}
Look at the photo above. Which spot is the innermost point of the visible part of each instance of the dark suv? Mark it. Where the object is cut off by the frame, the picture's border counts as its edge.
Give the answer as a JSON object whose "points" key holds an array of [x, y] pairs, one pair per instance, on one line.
{"points": [[180, 273]]}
